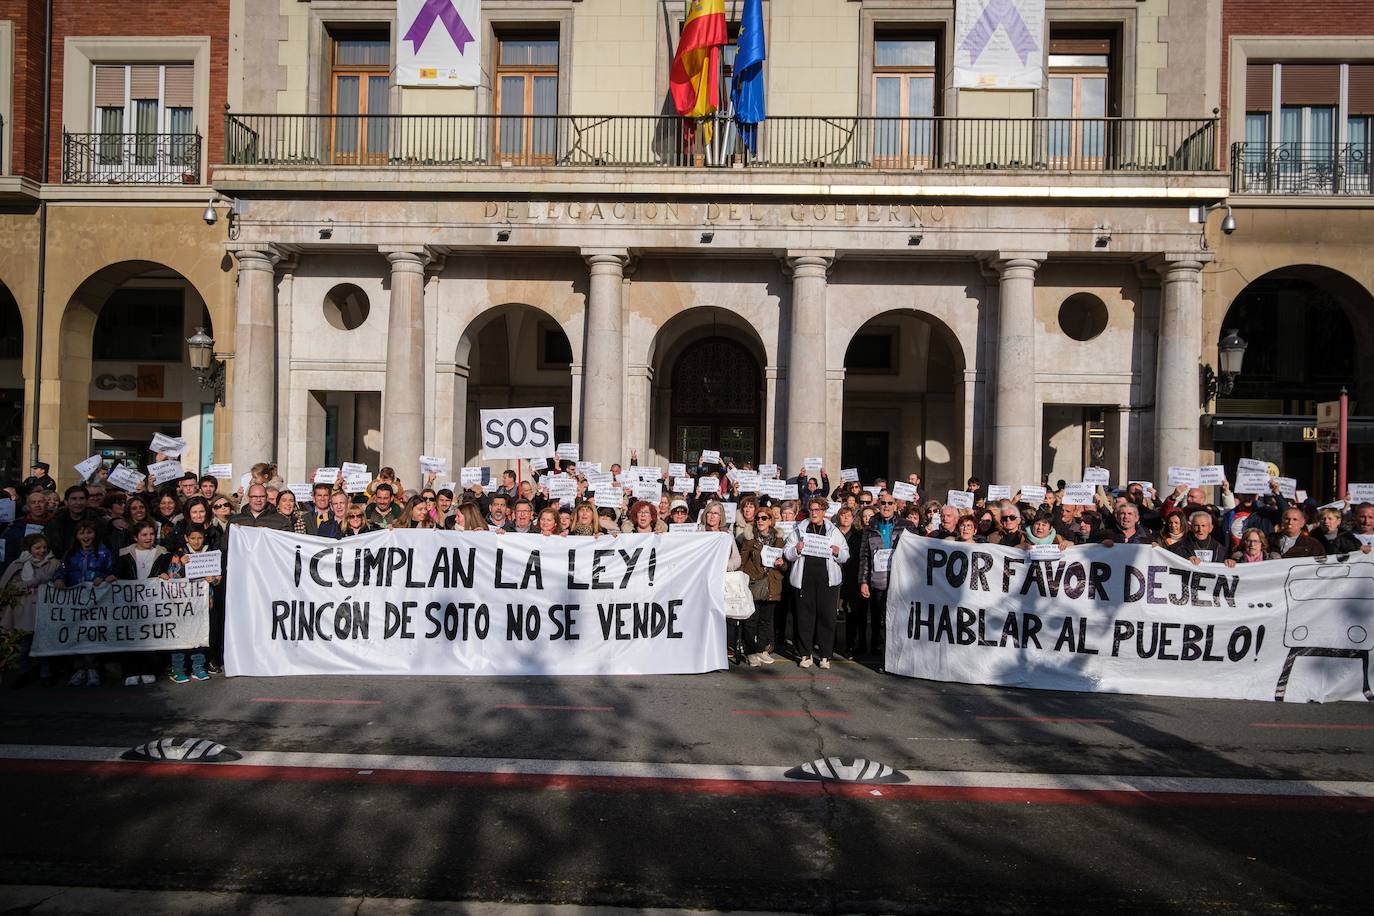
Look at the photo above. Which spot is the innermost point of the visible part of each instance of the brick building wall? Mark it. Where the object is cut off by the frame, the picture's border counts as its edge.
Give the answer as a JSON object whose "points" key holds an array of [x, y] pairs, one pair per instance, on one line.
{"points": [[141, 18], [26, 128]]}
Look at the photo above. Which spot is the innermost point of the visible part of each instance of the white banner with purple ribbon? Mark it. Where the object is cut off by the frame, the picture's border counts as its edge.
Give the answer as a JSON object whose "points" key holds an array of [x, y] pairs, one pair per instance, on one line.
{"points": [[999, 44], [441, 43]]}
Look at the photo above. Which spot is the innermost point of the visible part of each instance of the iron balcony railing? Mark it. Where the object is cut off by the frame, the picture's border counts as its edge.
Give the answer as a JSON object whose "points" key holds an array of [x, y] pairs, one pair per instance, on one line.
{"points": [[130, 158], [1300, 168], [619, 141]]}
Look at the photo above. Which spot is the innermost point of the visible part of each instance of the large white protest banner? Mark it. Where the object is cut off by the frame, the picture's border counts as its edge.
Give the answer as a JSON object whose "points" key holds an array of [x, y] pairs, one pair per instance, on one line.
{"points": [[1131, 619], [997, 44], [523, 432], [425, 602], [125, 616], [441, 43]]}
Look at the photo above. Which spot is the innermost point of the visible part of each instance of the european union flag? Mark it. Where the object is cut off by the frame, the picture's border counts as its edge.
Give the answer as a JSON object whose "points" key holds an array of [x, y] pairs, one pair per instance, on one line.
{"points": [[746, 90]]}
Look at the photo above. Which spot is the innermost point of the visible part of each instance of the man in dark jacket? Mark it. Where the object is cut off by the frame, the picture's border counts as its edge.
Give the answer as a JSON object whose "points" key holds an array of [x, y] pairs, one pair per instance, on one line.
{"points": [[40, 479], [1291, 540], [1199, 545], [875, 558], [61, 531], [1127, 529]]}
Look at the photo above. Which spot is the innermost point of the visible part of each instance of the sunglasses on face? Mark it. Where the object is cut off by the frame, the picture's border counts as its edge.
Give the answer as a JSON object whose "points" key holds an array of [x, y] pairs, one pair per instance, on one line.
{"points": [[887, 502], [1011, 518]]}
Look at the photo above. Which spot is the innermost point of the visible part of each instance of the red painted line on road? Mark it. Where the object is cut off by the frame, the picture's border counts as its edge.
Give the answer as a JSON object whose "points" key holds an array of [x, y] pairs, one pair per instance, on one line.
{"points": [[784, 713], [1322, 726], [555, 707], [672, 785], [1054, 719], [306, 701]]}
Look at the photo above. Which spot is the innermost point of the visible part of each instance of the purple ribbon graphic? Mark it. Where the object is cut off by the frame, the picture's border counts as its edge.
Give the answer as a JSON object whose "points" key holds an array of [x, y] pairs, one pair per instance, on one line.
{"points": [[443, 11], [997, 13]]}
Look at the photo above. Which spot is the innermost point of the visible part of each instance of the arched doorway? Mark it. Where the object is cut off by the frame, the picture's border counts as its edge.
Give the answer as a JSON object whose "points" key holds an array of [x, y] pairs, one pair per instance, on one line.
{"points": [[11, 387], [903, 401], [1304, 327], [514, 355], [717, 402]]}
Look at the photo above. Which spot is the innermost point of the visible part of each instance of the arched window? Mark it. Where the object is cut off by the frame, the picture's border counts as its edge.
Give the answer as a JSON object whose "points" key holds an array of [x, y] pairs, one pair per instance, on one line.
{"points": [[717, 393]]}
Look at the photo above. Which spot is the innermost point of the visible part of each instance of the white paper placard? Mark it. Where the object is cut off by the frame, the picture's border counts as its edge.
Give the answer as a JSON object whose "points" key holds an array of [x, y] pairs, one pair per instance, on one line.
{"points": [[833, 508], [1366, 540], [302, 491], [677, 470], [882, 560], [730, 510], [6, 514], [327, 475], [32, 529], [790, 491], [1045, 552], [1252, 464], [812, 465], [749, 481], [170, 446], [600, 480], [848, 475], [1078, 494], [710, 456], [682, 528], [166, 471], [569, 451], [1098, 477], [1251, 481], [203, 565], [1184, 477], [125, 479], [432, 465], [1288, 487], [1301, 496], [768, 471], [1361, 492], [245, 479], [816, 545], [474, 476], [220, 471], [959, 499], [708, 484], [353, 467], [564, 490], [683, 485], [85, 469], [772, 488], [873, 491], [588, 467], [1211, 475], [1032, 494], [648, 472], [610, 499], [998, 492], [649, 492], [906, 492], [357, 483], [769, 556]]}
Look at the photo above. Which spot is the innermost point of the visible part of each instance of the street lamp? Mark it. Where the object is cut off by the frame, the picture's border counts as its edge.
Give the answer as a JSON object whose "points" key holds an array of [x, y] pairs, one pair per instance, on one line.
{"points": [[1230, 356], [209, 371]]}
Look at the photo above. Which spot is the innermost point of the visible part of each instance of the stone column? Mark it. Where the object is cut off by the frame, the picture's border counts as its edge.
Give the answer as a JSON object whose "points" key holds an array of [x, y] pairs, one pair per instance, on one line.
{"points": [[403, 402], [251, 403], [806, 359], [1015, 447], [1177, 401], [603, 366]]}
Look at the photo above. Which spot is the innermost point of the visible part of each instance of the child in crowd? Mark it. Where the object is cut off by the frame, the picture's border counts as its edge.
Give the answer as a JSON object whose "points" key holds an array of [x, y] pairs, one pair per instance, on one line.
{"points": [[28, 574], [87, 562]]}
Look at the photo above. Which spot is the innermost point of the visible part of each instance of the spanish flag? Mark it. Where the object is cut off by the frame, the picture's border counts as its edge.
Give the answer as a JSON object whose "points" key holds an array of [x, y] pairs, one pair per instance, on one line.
{"points": [[695, 77]]}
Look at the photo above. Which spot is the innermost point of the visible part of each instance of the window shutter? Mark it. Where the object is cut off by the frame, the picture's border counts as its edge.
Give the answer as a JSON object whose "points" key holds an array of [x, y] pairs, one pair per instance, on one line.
{"points": [[1259, 87], [144, 82], [179, 86], [1080, 44], [1310, 84], [1361, 89], [109, 87]]}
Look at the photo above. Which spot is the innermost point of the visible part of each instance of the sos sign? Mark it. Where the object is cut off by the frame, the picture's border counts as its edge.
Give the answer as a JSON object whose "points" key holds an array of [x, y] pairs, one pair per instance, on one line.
{"points": [[523, 432]]}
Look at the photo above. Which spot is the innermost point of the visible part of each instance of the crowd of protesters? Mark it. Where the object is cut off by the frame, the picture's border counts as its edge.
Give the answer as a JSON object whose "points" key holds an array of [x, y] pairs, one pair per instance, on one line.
{"points": [[817, 559]]}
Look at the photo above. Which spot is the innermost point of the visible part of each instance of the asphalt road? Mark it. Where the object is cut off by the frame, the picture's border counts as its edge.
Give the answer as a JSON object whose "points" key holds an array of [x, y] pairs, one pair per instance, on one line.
{"points": [[528, 789]]}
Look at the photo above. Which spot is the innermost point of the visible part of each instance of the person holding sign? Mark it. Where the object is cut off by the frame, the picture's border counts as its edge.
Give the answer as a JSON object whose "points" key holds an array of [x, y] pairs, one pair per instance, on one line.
{"points": [[816, 549], [1291, 540], [1042, 533], [713, 520], [1250, 511], [176, 567], [86, 561], [878, 547], [1199, 546], [761, 558], [26, 575], [1334, 538], [141, 560], [61, 531]]}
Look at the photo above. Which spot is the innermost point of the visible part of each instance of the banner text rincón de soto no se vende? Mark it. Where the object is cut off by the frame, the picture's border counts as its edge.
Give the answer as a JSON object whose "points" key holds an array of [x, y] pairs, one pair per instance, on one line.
{"points": [[427, 602]]}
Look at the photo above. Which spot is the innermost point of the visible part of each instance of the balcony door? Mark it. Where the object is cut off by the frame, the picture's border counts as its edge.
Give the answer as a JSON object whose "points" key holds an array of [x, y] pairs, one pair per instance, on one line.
{"points": [[360, 84], [143, 125], [527, 92], [903, 101], [1079, 97]]}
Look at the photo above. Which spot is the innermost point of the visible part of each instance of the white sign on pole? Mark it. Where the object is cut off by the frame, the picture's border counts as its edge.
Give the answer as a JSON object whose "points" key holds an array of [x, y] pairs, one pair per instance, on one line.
{"points": [[85, 469], [203, 565], [524, 432], [171, 446], [440, 43]]}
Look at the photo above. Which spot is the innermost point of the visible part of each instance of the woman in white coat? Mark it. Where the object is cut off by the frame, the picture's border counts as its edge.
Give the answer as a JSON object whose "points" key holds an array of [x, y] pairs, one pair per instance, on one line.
{"points": [[817, 581]]}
